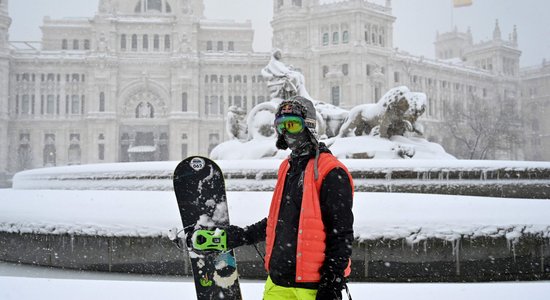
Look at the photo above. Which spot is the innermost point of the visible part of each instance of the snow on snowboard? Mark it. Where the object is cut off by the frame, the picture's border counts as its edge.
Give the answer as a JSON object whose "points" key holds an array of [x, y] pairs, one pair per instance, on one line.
{"points": [[200, 191]]}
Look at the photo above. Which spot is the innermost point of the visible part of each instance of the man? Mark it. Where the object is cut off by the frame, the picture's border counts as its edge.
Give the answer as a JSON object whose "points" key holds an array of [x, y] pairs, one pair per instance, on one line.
{"points": [[309, 230]]}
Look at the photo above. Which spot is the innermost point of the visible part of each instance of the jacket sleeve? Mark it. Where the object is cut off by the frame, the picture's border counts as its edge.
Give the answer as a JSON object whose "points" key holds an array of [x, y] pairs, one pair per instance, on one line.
{"points": [[336, 209], [253, 234]]}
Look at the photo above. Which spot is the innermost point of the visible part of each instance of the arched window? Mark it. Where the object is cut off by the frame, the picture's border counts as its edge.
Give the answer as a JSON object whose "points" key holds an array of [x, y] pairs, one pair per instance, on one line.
{"points": [[134, 42], [345, 69], [345, 37], [335, 37], [64, 44], [325, 39]]}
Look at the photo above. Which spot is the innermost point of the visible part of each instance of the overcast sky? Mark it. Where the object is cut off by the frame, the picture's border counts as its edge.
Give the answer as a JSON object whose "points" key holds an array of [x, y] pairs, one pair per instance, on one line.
{"points": [[414, 31]]}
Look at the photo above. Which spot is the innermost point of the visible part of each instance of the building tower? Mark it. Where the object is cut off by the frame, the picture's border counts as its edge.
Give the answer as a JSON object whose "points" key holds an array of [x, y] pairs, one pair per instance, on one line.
{"points": [[290, 25], [452, 44], [5, 22]]}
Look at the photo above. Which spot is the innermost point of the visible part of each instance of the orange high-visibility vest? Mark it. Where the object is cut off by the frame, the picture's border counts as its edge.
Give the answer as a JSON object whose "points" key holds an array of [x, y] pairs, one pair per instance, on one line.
{"points": [[310, 252]]}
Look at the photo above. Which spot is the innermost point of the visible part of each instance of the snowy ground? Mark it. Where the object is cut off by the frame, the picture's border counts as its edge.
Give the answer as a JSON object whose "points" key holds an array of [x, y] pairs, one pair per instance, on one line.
{"points": [[25, 282], [389, 215]]}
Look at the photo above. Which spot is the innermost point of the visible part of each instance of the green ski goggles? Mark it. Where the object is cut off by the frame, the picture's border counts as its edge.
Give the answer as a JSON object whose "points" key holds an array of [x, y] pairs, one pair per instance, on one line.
{"points": [[291, 124]]}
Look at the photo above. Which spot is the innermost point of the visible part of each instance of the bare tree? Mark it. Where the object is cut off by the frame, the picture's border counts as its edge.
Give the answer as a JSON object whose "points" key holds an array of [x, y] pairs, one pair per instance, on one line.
{"points": [[481, 128]]}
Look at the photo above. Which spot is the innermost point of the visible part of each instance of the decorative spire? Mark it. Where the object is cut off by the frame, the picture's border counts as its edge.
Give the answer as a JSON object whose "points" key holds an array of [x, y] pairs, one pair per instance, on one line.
{"points": [[515, 35], [388, 3], [497, 35]]}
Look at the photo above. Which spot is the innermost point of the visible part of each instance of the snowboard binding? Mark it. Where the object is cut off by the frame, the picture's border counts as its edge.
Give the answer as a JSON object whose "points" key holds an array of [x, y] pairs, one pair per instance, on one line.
{"points": [[209, 240]]}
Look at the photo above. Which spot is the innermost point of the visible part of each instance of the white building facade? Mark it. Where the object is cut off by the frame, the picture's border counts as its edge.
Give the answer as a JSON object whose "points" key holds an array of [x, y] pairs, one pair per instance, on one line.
{"points": [[153, 79]]}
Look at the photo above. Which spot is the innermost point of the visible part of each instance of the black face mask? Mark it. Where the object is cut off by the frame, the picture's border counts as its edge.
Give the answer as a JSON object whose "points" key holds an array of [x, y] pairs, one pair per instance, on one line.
{"points": [[299, 143]]}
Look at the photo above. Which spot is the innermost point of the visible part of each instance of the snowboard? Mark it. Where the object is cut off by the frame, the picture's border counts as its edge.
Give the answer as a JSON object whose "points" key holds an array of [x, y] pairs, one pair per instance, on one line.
{"points": [[200, 191]]}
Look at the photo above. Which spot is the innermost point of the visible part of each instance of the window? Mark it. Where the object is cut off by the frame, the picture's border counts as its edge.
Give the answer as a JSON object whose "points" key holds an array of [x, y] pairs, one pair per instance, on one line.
{"points": [[345, 69], [86, 44], [335, 37], [50, 105], [280, 3], [184, 101], [214, 78], [325, 71], [138, 7], [134, 42], [123, 42], [167, 42], [50, 77], [168, 8], [156, 42], [145, 42], [25, 105], [64, 44], [49, 152], [214, 105], [209, 46], [396, 77], [369, 70], [231, 46], [213, 141], [75, 44], [345, 37], [154, 5], [75, 78], [75, 104], [101, 151], [325, 39], [220, 46], [297, 3], [335, 95], [102, 102]]}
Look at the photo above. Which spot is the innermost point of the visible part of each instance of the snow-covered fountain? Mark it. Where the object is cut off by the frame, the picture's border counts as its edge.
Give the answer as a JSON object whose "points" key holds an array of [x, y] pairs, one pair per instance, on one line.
{"points": [[383, 130]]}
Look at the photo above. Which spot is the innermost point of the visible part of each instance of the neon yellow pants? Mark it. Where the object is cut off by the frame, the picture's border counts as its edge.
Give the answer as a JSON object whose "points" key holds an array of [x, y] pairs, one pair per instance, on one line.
{"points": [[275, 292]]}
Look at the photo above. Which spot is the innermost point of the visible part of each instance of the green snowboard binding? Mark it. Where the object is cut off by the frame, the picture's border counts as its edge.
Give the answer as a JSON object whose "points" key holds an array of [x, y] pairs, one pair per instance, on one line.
{"points": [[209, 240]]}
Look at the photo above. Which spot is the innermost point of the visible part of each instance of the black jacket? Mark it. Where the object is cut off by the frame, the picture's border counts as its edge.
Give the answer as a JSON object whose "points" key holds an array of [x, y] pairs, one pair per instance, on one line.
{"points": [[336, 209]]}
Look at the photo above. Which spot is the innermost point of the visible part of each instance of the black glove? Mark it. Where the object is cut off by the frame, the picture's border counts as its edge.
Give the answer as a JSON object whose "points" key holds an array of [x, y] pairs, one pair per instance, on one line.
{"points": [[236, 236], [330, 287]]}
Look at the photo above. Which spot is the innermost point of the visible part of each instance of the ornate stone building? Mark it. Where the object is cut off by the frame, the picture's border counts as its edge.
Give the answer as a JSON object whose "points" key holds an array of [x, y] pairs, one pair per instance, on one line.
{"points": [[141, 80], [153, 79]]}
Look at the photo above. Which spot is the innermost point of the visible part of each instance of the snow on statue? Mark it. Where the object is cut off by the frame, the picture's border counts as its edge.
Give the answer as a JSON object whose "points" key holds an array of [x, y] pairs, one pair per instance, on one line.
{"points": [[386, 129], [395, 113]]}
